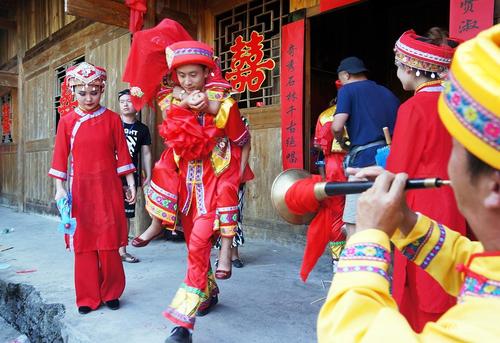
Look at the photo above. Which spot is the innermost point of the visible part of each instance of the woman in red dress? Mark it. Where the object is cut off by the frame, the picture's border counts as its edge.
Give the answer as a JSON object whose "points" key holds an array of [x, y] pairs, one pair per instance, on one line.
{"points": [[421, 147], [92, 137]]}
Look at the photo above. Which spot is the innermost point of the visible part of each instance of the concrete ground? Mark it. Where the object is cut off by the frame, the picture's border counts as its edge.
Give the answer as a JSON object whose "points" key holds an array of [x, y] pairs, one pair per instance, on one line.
{"points": [[263, 302]]}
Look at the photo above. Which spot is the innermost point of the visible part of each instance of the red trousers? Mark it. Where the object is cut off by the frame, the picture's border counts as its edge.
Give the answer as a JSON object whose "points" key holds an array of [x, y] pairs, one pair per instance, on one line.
{"points": [[99, 277], [198, 235]]}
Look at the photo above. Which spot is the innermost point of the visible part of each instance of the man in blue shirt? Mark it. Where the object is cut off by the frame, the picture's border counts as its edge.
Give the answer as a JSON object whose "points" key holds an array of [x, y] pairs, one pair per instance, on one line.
{"points": [[365, 108]]}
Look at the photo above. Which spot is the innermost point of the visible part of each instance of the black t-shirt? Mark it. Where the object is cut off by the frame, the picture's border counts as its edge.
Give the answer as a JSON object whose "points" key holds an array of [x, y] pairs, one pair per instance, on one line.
{"points": [[137, 135]]}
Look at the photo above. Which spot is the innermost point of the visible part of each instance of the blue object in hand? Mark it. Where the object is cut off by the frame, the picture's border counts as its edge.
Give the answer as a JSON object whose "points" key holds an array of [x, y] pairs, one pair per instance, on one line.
{"points": [[381, 156], [68, 224]]}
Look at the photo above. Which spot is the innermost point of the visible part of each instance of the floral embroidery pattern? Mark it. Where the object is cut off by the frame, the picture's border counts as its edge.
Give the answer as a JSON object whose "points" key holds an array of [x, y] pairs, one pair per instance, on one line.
{"points": [[428, 259], [371, 269], [412, 250], [366, 251], [475, 287], [480, 121]]}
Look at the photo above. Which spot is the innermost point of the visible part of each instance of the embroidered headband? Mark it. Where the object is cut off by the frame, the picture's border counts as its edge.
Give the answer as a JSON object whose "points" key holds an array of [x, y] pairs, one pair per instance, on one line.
{"points": [[189, 52], [413, 51], [86, 74], [470, 103]]}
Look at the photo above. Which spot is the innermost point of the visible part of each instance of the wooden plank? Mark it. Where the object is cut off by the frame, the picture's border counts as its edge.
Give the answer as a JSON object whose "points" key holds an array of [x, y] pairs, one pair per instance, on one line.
{"points": [[8, 79], [263, 117], [300, 4], [38, 145], [6, 149], [103, 11], [55, 39], [9, 65], [8, 24]]}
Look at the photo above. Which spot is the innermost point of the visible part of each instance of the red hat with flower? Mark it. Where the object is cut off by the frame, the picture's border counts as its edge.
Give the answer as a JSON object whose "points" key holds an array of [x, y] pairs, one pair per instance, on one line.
{"points": [[146, 64], [417, 52]]}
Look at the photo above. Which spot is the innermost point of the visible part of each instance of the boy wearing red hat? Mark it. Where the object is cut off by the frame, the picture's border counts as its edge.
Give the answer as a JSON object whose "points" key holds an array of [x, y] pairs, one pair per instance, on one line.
{"points": [[92, 136], [206, 150]]}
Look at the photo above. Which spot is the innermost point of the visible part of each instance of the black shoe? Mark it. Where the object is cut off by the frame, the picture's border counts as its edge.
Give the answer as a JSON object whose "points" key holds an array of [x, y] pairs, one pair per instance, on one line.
{"points": [[204, 310], [179, 334], [84, 310], [237, 263], [113, 304]]}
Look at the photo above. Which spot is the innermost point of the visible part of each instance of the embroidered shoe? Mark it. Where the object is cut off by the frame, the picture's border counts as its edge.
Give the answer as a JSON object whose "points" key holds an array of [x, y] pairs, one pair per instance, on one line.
{"points": [[179, 334], [113, 304], [207, 306]]}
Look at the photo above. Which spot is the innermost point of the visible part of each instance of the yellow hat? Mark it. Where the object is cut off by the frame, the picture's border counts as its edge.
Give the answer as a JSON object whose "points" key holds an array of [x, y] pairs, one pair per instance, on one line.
{"points": [[470, 103]]}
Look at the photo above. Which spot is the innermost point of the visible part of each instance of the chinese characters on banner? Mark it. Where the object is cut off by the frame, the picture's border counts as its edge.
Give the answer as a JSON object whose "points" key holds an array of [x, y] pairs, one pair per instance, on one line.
{"points": [[248, 64], [326, 5], [469, 17], [66, 102], [6, 120], [292, 73]]}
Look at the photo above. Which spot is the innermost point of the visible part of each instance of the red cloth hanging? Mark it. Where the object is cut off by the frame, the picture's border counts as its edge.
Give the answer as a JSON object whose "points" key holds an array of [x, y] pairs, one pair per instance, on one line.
{"points": [[326, 225], [137, 10]]}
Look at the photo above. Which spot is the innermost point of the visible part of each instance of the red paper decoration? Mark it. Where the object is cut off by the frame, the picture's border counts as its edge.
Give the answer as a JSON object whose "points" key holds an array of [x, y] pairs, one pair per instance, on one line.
{"points": [[66, 103], [6, 124], [248, 64]]}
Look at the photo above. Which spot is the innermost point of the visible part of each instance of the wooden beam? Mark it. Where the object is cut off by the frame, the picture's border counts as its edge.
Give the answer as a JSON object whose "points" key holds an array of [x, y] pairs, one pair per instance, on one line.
{"points": [[4, 91], [8, 79], [102, 11], [52, 40], [180, 17], [8, 24]]}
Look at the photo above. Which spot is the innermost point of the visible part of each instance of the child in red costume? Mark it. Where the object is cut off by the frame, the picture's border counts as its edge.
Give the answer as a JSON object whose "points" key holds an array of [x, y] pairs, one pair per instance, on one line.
{"points": [[92, 136]]}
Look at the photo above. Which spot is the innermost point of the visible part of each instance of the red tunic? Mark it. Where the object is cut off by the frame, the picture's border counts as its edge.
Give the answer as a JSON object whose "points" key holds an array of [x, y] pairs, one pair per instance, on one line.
{"points": [[421, 147], [99, 156]]}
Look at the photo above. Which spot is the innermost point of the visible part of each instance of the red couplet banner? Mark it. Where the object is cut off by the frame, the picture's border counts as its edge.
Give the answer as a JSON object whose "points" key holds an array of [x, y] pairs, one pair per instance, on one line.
{"points": [[326, 5], [469, 17], [292, 85]]}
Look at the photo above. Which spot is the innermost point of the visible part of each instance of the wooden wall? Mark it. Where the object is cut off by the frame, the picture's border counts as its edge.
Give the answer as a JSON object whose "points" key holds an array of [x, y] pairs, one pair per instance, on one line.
{"points": [[41, 19], [10, 192]]}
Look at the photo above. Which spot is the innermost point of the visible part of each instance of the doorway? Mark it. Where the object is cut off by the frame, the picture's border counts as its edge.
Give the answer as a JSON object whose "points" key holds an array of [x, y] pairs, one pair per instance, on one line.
{"points": [[367, 30]]}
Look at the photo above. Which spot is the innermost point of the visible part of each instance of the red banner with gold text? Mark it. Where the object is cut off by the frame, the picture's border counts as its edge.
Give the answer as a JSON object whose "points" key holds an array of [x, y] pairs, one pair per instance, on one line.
{"points": [[469, 17], [292, 85]]}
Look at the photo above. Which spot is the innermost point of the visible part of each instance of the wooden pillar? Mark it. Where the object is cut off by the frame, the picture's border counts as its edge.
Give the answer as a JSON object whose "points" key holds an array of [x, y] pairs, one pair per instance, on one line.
{"points": [[21, 46]]}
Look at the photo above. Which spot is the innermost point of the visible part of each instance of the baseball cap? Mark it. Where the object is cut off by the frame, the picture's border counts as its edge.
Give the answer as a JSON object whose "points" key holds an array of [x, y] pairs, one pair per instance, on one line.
{"points": [[352, 65]]}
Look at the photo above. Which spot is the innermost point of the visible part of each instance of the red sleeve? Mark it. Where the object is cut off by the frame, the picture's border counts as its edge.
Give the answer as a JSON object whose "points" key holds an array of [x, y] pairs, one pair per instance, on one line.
{"points": [[124, 165], [235, 128], [59, 166], [408, 142]]}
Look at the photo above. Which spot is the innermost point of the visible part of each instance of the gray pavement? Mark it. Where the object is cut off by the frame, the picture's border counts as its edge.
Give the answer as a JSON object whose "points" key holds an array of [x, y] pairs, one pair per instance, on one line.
{"points": [[265, 301]]}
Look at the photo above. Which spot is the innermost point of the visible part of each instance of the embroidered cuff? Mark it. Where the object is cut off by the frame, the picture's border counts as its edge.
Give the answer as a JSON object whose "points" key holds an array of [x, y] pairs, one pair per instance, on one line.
{"points": [[366, 251], [58, 174], [126, 169], [243, 138], [423, 243]]}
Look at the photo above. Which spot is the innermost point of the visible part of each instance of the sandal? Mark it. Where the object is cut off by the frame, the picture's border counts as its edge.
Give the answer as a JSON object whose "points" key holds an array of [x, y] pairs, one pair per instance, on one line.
{"points": [[129, 258], [222, 274]]}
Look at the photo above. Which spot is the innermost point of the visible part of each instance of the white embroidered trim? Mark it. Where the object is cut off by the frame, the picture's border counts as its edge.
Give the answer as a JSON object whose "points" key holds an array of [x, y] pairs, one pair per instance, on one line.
{"points": [[93, 114], [125, 168], [58, 173], [431, 89], [405, 48]]}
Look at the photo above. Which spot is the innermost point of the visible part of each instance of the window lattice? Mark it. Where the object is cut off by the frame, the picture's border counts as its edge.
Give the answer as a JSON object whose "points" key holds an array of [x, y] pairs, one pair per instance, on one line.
{"points": [[266, 17], [60, 75]]}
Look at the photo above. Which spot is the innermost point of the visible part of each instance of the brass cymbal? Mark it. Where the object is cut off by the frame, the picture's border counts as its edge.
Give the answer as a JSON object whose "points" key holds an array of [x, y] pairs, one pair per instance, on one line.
{"points": [[280, 186]]}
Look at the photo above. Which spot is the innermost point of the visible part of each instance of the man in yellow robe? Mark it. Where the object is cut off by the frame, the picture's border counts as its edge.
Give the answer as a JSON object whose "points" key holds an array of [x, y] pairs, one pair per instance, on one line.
{"points": [[359, 306]]}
